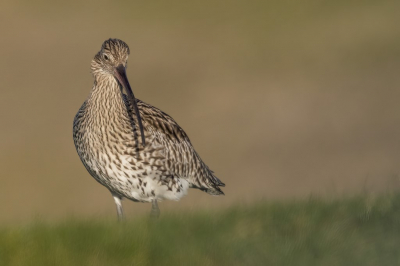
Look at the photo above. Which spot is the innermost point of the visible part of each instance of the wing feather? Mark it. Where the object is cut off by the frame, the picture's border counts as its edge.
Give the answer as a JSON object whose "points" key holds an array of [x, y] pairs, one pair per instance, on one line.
{"points": [[181, 159]]}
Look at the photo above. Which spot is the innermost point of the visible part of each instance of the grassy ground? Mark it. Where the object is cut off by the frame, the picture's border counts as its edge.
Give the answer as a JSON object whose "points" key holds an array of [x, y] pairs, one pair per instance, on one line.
{"points": [[357, 231]]}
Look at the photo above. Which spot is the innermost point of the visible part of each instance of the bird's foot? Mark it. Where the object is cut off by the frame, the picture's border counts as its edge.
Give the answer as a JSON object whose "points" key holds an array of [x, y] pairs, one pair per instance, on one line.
{"points": [[155, 211]]}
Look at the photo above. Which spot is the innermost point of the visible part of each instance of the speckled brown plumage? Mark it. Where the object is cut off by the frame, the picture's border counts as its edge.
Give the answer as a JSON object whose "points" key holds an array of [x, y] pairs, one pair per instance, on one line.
{"points": [[107, 138]]}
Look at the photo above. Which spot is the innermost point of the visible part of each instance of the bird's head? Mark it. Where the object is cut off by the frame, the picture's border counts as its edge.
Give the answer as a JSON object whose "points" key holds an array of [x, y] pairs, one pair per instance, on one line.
{"points": [[113, 53]]}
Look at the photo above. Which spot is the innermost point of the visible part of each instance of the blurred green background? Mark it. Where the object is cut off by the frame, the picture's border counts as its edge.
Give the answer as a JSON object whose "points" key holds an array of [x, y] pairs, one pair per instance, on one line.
{"points": [[282, 99]]}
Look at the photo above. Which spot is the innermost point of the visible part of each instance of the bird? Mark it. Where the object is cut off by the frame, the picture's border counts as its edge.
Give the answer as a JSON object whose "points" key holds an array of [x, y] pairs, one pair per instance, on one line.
{"points": [[132, 148]]}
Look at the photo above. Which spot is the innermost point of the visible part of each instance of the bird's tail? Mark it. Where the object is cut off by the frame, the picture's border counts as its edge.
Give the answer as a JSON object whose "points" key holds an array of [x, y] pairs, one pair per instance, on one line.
{"points": [[207, 181]]}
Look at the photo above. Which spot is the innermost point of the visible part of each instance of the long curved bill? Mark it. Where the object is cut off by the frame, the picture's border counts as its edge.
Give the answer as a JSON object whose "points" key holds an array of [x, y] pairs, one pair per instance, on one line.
{"points": [[120, 74]]}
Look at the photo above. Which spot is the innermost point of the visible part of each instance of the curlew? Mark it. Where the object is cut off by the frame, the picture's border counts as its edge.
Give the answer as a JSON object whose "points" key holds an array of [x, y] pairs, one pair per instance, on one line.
{"points": [[134, 149]]}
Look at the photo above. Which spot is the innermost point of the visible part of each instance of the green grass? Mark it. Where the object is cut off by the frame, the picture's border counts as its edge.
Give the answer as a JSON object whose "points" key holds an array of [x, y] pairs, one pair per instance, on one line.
{"points": [[356, 231]]}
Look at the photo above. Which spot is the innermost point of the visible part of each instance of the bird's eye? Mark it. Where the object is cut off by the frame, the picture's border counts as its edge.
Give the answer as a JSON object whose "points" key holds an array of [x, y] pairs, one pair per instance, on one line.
{"points": [[105, 57]]}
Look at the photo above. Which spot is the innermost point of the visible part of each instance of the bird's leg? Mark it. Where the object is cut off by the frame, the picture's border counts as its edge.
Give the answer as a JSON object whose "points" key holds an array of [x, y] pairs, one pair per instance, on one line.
{"points": [[155, 211], [120, 211]]}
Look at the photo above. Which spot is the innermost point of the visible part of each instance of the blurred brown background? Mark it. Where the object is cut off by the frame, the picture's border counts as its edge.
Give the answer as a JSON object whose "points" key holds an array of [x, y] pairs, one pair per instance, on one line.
{"points": [[281, 99]]}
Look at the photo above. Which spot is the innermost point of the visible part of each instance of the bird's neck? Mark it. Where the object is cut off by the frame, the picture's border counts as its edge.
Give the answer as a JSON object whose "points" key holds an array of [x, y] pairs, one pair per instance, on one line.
{"points": [[105, 99]]}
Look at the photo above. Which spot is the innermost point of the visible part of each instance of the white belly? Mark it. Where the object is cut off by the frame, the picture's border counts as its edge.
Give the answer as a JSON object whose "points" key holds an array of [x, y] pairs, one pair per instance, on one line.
{"points": [[141, 184]]}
